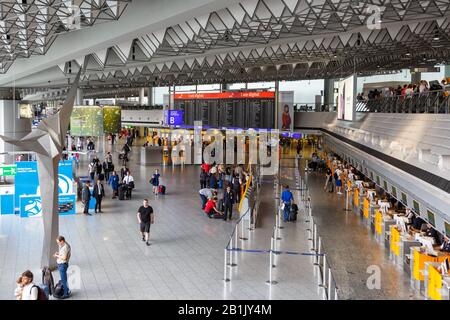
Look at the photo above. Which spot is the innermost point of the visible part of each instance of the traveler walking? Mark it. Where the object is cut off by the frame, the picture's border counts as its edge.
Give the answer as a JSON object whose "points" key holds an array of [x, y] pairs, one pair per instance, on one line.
{"points": [[62, 259], [154, 181], [286, 198], [98, 193], [114, 183], [86, 197], [145, 218], [92, 169], [129, 182]]}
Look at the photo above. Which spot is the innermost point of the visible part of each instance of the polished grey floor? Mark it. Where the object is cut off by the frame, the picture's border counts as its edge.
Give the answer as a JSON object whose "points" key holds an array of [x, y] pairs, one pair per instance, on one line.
{"points": [[185, 260], [351, 248]]}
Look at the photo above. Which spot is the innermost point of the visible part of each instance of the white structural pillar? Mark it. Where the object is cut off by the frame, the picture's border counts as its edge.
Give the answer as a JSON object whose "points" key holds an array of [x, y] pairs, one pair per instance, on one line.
{"points": [[328, 92], [150, 96], [79, 97], [447, 71], [277, 103], [11, 126], [141, 96]]}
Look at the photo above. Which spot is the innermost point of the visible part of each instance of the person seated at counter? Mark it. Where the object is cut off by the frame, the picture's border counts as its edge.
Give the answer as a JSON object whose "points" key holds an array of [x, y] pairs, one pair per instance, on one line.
{"points": [[384, 205], [417, 223], [409, 215], [445, 247], [432, 233]]}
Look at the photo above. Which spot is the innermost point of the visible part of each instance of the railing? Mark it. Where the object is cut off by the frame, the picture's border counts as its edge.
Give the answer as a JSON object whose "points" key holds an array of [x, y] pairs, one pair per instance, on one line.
{"points": [[325, 275], [430, 102]]}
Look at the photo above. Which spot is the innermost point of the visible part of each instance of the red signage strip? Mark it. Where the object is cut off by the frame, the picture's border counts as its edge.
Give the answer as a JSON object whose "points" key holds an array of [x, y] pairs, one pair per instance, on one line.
{"points": [[226, 95]]}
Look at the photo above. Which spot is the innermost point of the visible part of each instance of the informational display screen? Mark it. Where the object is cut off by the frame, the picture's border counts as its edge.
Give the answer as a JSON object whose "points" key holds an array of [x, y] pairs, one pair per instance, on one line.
{"points": [[112, 119], [174, 117], [86, 121], [347, 99], [228, 109]]}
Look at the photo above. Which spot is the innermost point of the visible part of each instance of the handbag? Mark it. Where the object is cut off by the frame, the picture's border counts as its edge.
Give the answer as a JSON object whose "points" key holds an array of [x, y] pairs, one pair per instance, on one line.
{"points": [[131, 184]]}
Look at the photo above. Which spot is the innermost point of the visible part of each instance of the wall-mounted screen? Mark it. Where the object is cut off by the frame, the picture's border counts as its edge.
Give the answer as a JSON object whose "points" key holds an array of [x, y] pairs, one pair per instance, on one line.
{"points": [[112, 119], [378, 181], [394, 191], [385, 184], [447, 229], [86, 121], [347, 98], [416, 207], [404, 198], [431, 218]]}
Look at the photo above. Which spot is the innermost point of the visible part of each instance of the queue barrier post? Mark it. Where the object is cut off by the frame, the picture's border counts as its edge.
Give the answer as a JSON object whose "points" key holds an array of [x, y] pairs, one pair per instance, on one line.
{"points": [[236, 243], [225, 267], [242, 237], [329, 283], [318, 252]]}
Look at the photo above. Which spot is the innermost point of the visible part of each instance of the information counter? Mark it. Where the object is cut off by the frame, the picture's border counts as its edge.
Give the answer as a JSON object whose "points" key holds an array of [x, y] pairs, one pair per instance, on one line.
{"points": [[152, 155], [419, 258]]}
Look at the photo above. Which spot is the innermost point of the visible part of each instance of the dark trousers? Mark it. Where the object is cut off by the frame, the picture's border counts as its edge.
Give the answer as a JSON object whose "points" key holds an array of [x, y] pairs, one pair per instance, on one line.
{"points": [[204, 201], [228, 210], [98, 204], [202, 184], [213, 214], [92, 174], [86, 207]]}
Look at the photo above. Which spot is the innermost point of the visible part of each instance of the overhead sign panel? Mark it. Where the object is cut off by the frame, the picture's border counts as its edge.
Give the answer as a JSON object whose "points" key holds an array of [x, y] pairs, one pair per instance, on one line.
{"points": [[226, 95]]}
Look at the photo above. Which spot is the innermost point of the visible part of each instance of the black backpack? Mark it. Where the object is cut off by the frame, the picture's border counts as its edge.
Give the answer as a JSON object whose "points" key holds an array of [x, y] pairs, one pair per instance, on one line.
{"points": [[42, 294]]}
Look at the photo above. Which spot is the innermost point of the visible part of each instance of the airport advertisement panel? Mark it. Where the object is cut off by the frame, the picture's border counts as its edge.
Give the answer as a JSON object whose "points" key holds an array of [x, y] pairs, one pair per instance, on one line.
{"points": [[112, 119], [286, 111], [347, 99], [86, 121], [27, 191]]}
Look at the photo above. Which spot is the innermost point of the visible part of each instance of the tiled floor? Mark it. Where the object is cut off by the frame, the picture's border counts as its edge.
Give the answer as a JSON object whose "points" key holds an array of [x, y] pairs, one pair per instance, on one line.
{"points": [[185, 260], [352, 248]]}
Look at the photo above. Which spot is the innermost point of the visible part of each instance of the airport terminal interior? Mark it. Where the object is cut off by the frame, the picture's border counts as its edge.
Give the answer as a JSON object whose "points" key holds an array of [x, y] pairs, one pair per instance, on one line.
{"points": [[225, 150]]}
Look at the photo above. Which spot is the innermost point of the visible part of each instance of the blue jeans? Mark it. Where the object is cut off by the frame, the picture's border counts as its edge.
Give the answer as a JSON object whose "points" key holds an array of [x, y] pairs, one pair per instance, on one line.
{"points": [[62, 268], [286, 211], [204, 201]]}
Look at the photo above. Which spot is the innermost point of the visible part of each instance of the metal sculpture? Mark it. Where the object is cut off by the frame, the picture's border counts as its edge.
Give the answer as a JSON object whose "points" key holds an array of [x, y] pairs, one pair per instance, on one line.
{"points": [[48, 141]]}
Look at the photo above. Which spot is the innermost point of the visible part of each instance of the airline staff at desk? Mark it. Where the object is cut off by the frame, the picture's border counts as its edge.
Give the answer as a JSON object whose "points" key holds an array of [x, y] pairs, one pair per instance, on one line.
{"points": [[445, 247]]}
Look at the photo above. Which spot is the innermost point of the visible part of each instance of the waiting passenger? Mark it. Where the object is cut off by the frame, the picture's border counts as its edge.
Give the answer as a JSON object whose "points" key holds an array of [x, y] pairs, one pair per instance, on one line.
{"points": [[154, 181], [446, 244], [228, 200], [203, 178], [237, 187], [211, 209], [432, 233]]}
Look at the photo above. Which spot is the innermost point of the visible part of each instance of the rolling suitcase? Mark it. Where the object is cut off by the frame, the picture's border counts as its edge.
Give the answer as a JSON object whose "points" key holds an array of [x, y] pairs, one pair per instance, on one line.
{"points": [[122, 191], [162, 189], [293, 213]]}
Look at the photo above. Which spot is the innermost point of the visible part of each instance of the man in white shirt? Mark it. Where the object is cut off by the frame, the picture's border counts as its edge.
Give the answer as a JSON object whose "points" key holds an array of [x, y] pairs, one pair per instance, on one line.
{"points": [[29, 290], [62, 259], [128, 180]]}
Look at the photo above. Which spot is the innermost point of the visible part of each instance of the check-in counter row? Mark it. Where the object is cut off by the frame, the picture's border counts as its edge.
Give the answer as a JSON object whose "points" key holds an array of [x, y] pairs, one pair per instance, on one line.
{"points": [[406, 250]]}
